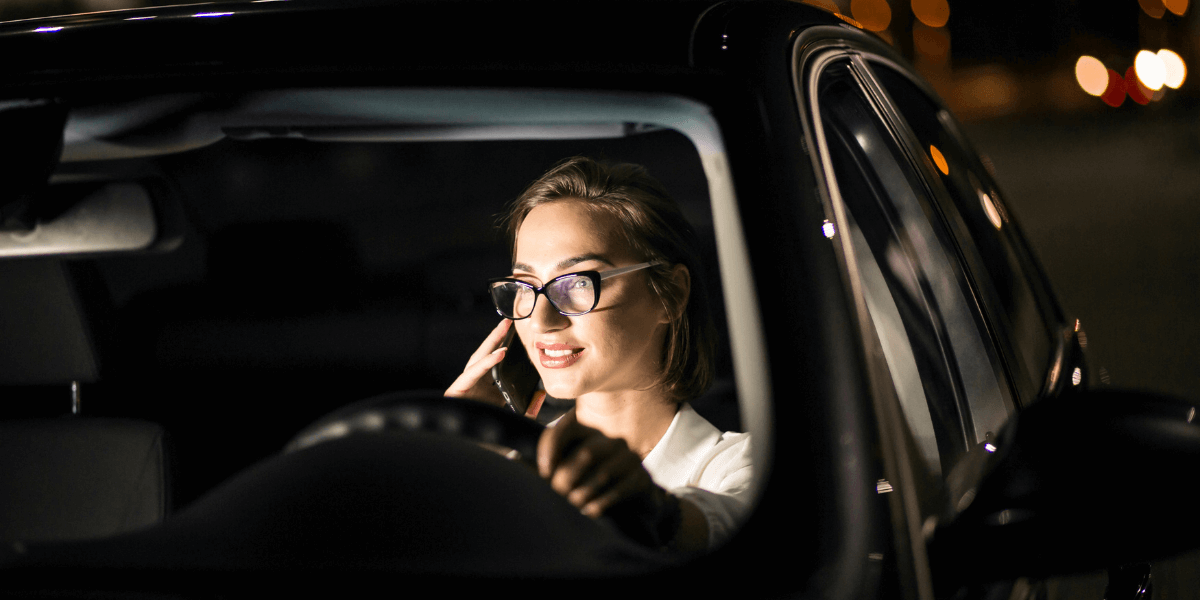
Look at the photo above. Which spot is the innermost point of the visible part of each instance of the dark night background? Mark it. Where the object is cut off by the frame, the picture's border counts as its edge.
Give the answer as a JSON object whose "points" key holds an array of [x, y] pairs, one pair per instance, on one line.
{"points": [[1107, 196]]}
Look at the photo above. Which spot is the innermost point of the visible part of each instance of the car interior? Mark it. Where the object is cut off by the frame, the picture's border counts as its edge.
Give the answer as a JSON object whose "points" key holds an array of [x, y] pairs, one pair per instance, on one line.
{"points": [[276, 256]]}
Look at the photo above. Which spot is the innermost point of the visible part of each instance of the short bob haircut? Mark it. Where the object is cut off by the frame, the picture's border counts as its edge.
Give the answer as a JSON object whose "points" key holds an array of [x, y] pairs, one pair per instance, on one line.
{"points": [[656, 229]]}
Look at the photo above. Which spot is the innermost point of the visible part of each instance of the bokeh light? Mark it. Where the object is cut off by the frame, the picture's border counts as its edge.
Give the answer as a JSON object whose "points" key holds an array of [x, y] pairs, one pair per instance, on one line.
{"points": [[932, 43], [1150, 70], [989, 208], [1176, 69], [1176, 6], [1114, 94], [934, 13], [985, 91], [1137, 91], [939, 160], [874, 15], [823, 4], [1092, 75], [1154, 8]]}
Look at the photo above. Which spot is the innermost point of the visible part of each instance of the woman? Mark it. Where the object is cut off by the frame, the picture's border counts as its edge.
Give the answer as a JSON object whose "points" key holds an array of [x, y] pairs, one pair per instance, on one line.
{"points": [[604, 301]]}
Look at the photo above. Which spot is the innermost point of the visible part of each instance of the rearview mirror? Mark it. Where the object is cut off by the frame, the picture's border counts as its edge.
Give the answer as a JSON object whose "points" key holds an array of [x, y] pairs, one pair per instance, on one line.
{"points": [[1082, 482], [109, 218]]}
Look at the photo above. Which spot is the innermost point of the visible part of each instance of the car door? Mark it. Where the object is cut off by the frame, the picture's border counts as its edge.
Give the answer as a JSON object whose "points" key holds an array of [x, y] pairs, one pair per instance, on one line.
{"points": [[957, 323]]}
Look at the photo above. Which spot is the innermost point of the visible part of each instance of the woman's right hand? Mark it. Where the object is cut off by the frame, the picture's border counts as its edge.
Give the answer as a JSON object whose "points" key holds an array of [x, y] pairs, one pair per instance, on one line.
{"points": [[476, 379]]}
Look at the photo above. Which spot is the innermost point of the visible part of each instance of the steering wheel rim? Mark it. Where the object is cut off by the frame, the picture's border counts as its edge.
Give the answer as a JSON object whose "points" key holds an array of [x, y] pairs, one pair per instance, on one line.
{"points": [[428, 411]]}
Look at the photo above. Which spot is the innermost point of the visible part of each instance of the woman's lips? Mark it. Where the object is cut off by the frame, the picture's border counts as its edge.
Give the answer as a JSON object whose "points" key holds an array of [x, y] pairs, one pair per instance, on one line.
{"points": [[557, 356]]}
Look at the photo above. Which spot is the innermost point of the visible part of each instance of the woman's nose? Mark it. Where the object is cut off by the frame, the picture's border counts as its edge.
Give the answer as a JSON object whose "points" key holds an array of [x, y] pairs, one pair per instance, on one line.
{"points": [[547, 318]]}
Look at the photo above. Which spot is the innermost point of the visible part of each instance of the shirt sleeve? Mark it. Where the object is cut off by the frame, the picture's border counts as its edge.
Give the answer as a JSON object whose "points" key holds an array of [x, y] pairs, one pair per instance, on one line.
{"points": [[723, 488]]}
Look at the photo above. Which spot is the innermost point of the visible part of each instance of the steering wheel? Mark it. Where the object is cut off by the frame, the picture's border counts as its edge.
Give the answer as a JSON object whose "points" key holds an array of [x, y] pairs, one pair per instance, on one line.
{"points": [[369, 505], [429, 411]]}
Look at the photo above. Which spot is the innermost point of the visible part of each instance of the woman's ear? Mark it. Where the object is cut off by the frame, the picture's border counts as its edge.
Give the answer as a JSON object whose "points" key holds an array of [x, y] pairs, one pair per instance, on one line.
{"points": [[680, 291]]}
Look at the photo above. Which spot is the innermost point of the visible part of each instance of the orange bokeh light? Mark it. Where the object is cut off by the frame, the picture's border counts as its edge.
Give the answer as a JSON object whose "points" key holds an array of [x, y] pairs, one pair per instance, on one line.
{"points": [[1154, 8], [939, 160], [934, 13], [1092, 75], [823, 4], [875, 15], [932, 44], [1176, 6]]}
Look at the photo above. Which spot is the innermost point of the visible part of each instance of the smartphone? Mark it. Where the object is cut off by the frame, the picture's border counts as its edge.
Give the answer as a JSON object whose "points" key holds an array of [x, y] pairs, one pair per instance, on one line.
{"points": [[515, 376]]}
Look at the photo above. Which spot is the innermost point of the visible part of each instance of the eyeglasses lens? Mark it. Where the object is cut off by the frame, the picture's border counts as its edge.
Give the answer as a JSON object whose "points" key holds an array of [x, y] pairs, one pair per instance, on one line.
{"points": [[575, 294], [512, 298]]}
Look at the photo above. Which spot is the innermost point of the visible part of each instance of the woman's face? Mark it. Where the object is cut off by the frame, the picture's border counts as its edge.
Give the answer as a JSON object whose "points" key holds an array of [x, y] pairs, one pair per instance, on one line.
{"points": [[615, 348]]}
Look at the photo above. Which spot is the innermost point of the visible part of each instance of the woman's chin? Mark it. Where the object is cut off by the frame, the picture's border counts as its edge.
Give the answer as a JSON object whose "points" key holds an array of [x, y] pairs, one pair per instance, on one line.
{"points": [[560, 389]]}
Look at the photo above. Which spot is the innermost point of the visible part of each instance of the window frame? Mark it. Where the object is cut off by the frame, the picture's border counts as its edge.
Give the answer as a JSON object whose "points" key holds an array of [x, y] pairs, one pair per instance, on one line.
{"points": [[916, 500], [905, 140], [814, 50]]}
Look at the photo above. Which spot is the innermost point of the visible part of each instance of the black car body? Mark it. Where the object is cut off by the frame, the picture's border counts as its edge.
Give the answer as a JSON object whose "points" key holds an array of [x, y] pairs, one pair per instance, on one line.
{"points": [[323, 180]]}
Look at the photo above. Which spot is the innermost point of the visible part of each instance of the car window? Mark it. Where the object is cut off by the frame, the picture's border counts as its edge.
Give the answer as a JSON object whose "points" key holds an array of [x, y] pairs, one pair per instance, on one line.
{"points": [[947, 376], [981, 226]]}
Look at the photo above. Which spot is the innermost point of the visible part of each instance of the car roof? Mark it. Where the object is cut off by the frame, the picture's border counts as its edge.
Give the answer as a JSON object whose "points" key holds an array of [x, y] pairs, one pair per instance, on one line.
{"points": [[266, 42], [262, 37]]}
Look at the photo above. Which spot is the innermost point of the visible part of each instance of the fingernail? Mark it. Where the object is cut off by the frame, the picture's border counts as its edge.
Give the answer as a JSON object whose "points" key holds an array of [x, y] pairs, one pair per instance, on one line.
{"points": [[500, 349]]}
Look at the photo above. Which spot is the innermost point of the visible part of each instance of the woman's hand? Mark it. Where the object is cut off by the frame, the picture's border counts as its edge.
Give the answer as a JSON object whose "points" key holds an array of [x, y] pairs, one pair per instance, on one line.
{"points": [[601, 476], [591, 470], [476, 379]]}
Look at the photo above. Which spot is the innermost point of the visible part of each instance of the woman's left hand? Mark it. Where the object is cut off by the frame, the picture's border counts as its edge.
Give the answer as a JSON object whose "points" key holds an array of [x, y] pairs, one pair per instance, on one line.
{"points": [[596, 473], [601, 476], [591, 470]]}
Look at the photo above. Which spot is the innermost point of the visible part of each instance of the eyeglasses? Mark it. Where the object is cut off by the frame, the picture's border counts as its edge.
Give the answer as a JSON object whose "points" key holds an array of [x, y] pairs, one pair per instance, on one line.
{"points": [[572, 294]]}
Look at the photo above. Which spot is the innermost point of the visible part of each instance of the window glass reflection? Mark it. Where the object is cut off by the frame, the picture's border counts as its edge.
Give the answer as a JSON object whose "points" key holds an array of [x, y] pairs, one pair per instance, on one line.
{"points": [[945, 374], [979, 222]]}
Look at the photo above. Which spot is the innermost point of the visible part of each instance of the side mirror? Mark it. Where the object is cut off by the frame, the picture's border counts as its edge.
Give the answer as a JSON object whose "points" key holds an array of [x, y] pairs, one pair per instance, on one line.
{"points": [[1082, 482]]}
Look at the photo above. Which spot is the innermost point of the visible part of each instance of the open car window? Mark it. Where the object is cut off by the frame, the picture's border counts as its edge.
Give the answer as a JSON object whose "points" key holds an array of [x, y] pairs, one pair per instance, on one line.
{"points": [[336, 245]]}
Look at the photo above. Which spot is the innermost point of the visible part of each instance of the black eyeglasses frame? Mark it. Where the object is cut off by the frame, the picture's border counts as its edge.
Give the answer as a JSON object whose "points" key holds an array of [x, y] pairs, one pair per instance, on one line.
{"points": [[595, 276]]}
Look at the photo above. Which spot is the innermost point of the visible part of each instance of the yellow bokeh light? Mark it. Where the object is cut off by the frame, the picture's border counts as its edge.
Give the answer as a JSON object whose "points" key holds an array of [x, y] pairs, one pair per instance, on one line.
{"points": [[1176, 6], [1150, 70], [1091, 74], [939, 160], [934, 13], [1176, 69], [875, 15]]}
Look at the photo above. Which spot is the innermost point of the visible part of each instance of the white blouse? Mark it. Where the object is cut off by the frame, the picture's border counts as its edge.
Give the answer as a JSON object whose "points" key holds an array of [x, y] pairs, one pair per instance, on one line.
{"points": [[710, 469]]}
